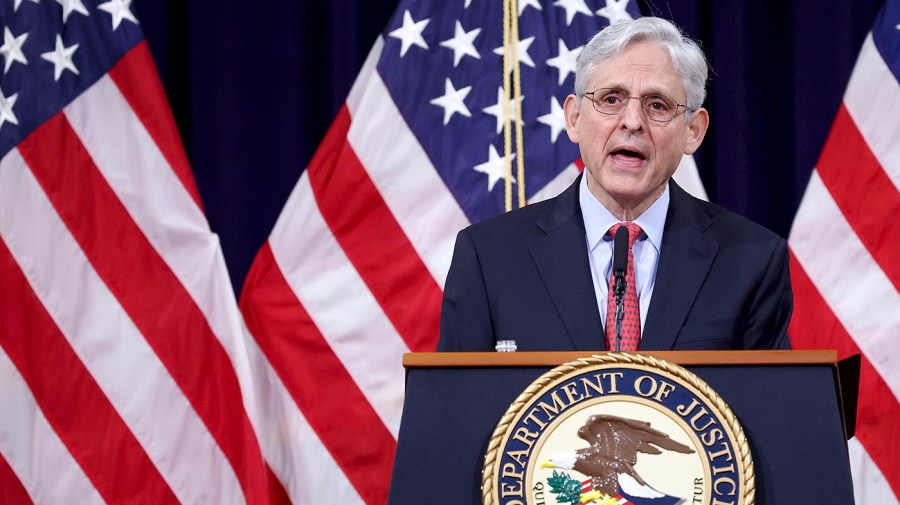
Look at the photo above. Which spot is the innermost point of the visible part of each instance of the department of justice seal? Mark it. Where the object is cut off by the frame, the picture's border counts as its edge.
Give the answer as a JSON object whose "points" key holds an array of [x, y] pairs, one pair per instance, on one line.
{"points": [[618, 429]]}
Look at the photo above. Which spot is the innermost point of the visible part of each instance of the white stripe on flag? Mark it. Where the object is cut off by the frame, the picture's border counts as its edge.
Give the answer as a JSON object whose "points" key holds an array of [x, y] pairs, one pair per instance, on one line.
{"points": [[135, 382], [28, 443], [688, 177], [340, 304], [292, 449], [404, 175], [873, 101], [849, 279], [869, 485], [156, 199], [557, 185]]}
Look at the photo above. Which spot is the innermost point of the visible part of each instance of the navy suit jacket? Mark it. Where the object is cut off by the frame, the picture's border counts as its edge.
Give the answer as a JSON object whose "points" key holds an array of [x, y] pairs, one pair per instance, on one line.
{"points": [[722, 282]]}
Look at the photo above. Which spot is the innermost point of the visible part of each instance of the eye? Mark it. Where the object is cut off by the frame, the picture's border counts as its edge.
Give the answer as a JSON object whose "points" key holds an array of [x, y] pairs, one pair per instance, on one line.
{"points": [[611, 98], [657, 104]]}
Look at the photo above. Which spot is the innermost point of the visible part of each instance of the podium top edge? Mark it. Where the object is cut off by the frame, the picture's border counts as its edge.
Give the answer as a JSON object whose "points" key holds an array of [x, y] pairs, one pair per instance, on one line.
{"points": [[551, 359]]}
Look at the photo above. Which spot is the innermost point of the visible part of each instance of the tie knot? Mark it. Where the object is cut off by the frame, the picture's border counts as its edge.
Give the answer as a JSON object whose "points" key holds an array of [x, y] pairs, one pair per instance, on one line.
{"points": [[634, 231]]}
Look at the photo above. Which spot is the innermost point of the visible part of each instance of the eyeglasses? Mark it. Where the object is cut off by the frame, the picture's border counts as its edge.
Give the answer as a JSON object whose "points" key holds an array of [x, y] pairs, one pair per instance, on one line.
{"points": [[659, 108]]}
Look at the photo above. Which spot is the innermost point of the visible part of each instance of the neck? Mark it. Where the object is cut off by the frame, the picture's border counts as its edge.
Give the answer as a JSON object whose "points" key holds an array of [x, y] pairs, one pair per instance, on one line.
{"points": [[625, 209]]}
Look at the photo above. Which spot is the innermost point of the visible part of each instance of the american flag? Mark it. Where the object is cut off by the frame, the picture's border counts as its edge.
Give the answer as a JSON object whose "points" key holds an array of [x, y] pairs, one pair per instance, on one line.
{"points": [[124, 376], [845, 267]]}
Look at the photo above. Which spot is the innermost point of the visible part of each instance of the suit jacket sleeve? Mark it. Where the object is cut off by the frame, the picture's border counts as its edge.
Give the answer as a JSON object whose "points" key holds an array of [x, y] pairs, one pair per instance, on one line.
{"points": [[465, 312], [771, 307]]}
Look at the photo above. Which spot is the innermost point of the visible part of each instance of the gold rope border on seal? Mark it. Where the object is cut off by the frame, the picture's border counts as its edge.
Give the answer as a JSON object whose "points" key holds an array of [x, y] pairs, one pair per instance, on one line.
{"points": [[613, 358]]}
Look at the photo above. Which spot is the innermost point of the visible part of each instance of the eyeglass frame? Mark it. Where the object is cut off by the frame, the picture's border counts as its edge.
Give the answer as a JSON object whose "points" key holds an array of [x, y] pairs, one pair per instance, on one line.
{"points": [[640, 100]]}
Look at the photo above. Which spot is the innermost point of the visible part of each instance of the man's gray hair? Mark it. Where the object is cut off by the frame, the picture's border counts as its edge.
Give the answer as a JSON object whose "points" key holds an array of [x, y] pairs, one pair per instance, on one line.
{"points": [[686, 55]]}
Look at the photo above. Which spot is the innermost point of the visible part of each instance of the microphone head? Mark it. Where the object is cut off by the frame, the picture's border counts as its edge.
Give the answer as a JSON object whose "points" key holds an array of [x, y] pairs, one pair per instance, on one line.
{"points": [[620, 251]]}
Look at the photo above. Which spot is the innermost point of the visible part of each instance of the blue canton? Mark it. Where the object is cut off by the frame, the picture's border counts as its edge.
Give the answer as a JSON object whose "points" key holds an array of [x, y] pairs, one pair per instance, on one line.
{"points": [[442, 63], [52, 51]]}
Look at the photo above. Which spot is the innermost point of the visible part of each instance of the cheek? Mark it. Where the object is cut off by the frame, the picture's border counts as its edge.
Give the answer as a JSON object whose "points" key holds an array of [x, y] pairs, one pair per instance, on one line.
{"points": [[593, 152], [595, 134], [671, 146]]}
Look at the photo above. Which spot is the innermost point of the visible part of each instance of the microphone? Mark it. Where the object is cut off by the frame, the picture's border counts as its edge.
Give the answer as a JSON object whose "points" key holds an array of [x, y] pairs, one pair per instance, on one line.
{"points": [[620, 266]]}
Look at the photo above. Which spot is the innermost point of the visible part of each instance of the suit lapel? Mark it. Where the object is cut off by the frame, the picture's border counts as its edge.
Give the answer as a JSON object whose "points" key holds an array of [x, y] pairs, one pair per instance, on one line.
{"points": [[684, 262], [561, 258]]}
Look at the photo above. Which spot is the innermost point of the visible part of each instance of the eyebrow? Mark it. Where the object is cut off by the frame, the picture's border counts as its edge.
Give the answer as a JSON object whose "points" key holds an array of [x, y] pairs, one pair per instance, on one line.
{"points": [[653, 91]]}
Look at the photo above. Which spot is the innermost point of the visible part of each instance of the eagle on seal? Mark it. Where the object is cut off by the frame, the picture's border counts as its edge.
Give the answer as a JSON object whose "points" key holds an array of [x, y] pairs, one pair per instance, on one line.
{"points": [[614, 445]]}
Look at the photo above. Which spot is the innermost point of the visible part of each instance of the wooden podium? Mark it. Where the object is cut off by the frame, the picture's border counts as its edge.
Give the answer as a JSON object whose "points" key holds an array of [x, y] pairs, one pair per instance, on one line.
{"points": [[797, 409]]}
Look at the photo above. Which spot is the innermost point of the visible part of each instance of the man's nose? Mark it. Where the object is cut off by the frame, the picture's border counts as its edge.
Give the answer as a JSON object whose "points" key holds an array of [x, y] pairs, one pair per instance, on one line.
{"points": [[633, 115]]}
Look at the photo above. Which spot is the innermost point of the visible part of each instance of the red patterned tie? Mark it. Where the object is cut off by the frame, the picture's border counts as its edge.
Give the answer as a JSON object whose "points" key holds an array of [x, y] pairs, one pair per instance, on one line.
{"points": [[631, 323]]}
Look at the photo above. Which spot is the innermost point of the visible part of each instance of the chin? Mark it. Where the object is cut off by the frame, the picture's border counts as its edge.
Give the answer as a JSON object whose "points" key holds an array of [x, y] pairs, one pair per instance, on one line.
{"points": [[624, 189], [627, 179]]}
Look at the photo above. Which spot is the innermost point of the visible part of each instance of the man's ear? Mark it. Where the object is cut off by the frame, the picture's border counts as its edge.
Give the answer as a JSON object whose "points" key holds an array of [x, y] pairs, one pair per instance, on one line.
{"points": [[572, 111], [697, 127]]}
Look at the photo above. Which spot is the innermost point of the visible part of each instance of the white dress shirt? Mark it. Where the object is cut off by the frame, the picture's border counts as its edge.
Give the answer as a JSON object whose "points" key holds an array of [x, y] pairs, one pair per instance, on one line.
{"points": [[597, 222]]}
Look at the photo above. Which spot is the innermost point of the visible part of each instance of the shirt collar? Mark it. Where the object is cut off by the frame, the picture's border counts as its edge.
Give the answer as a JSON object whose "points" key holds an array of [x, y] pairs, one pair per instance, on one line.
{"points": [[598, 219]]}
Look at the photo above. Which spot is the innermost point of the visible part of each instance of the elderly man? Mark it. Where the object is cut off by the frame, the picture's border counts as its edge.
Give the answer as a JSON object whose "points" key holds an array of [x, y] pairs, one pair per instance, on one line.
{"points": [[698, 276]]}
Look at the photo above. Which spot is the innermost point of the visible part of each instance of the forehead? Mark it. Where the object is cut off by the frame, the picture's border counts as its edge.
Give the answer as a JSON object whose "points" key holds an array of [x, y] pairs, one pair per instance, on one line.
{"points": [[642, 67]]}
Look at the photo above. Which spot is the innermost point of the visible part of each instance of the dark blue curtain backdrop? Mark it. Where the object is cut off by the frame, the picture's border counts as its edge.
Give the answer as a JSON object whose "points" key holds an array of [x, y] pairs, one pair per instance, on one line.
{"points": [[255, 85]]}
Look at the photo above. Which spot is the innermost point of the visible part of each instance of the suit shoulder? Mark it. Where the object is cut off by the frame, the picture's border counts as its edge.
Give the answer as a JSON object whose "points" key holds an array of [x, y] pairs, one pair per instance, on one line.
{"points": [[732, 223], [518, 223], [723, 222]]}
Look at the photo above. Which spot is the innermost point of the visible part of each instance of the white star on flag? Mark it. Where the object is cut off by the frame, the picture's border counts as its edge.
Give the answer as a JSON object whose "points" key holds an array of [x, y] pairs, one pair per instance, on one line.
{"points": [[496, 110], [615, 11], [529, 3], [70, 6], [6, 106], [565, 61], [452, 101], [410, 33], [573, 7], [61, 57], [462, 43], [555, 119], [494, 167], [12, 49], [120, 9], [524, 57]]}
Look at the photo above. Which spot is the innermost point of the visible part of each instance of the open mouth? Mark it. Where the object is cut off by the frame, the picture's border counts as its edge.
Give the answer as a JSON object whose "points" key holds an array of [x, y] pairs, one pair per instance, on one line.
{"points": [[628, 156]]}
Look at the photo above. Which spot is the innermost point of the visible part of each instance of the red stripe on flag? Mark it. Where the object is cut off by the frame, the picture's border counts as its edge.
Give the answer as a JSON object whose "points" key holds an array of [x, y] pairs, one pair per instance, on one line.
{"points": [[814, 326], [70, 399], [372, 239], [149, 292], [579, 163], [863, 191], [277, 494], [327, 395], [11, 488], [135, 76]]}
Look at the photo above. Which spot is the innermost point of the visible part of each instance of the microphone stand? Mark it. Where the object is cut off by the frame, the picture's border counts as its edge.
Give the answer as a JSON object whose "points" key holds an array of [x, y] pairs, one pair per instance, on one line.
{"points": [[620, 308], [620, 267]]}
